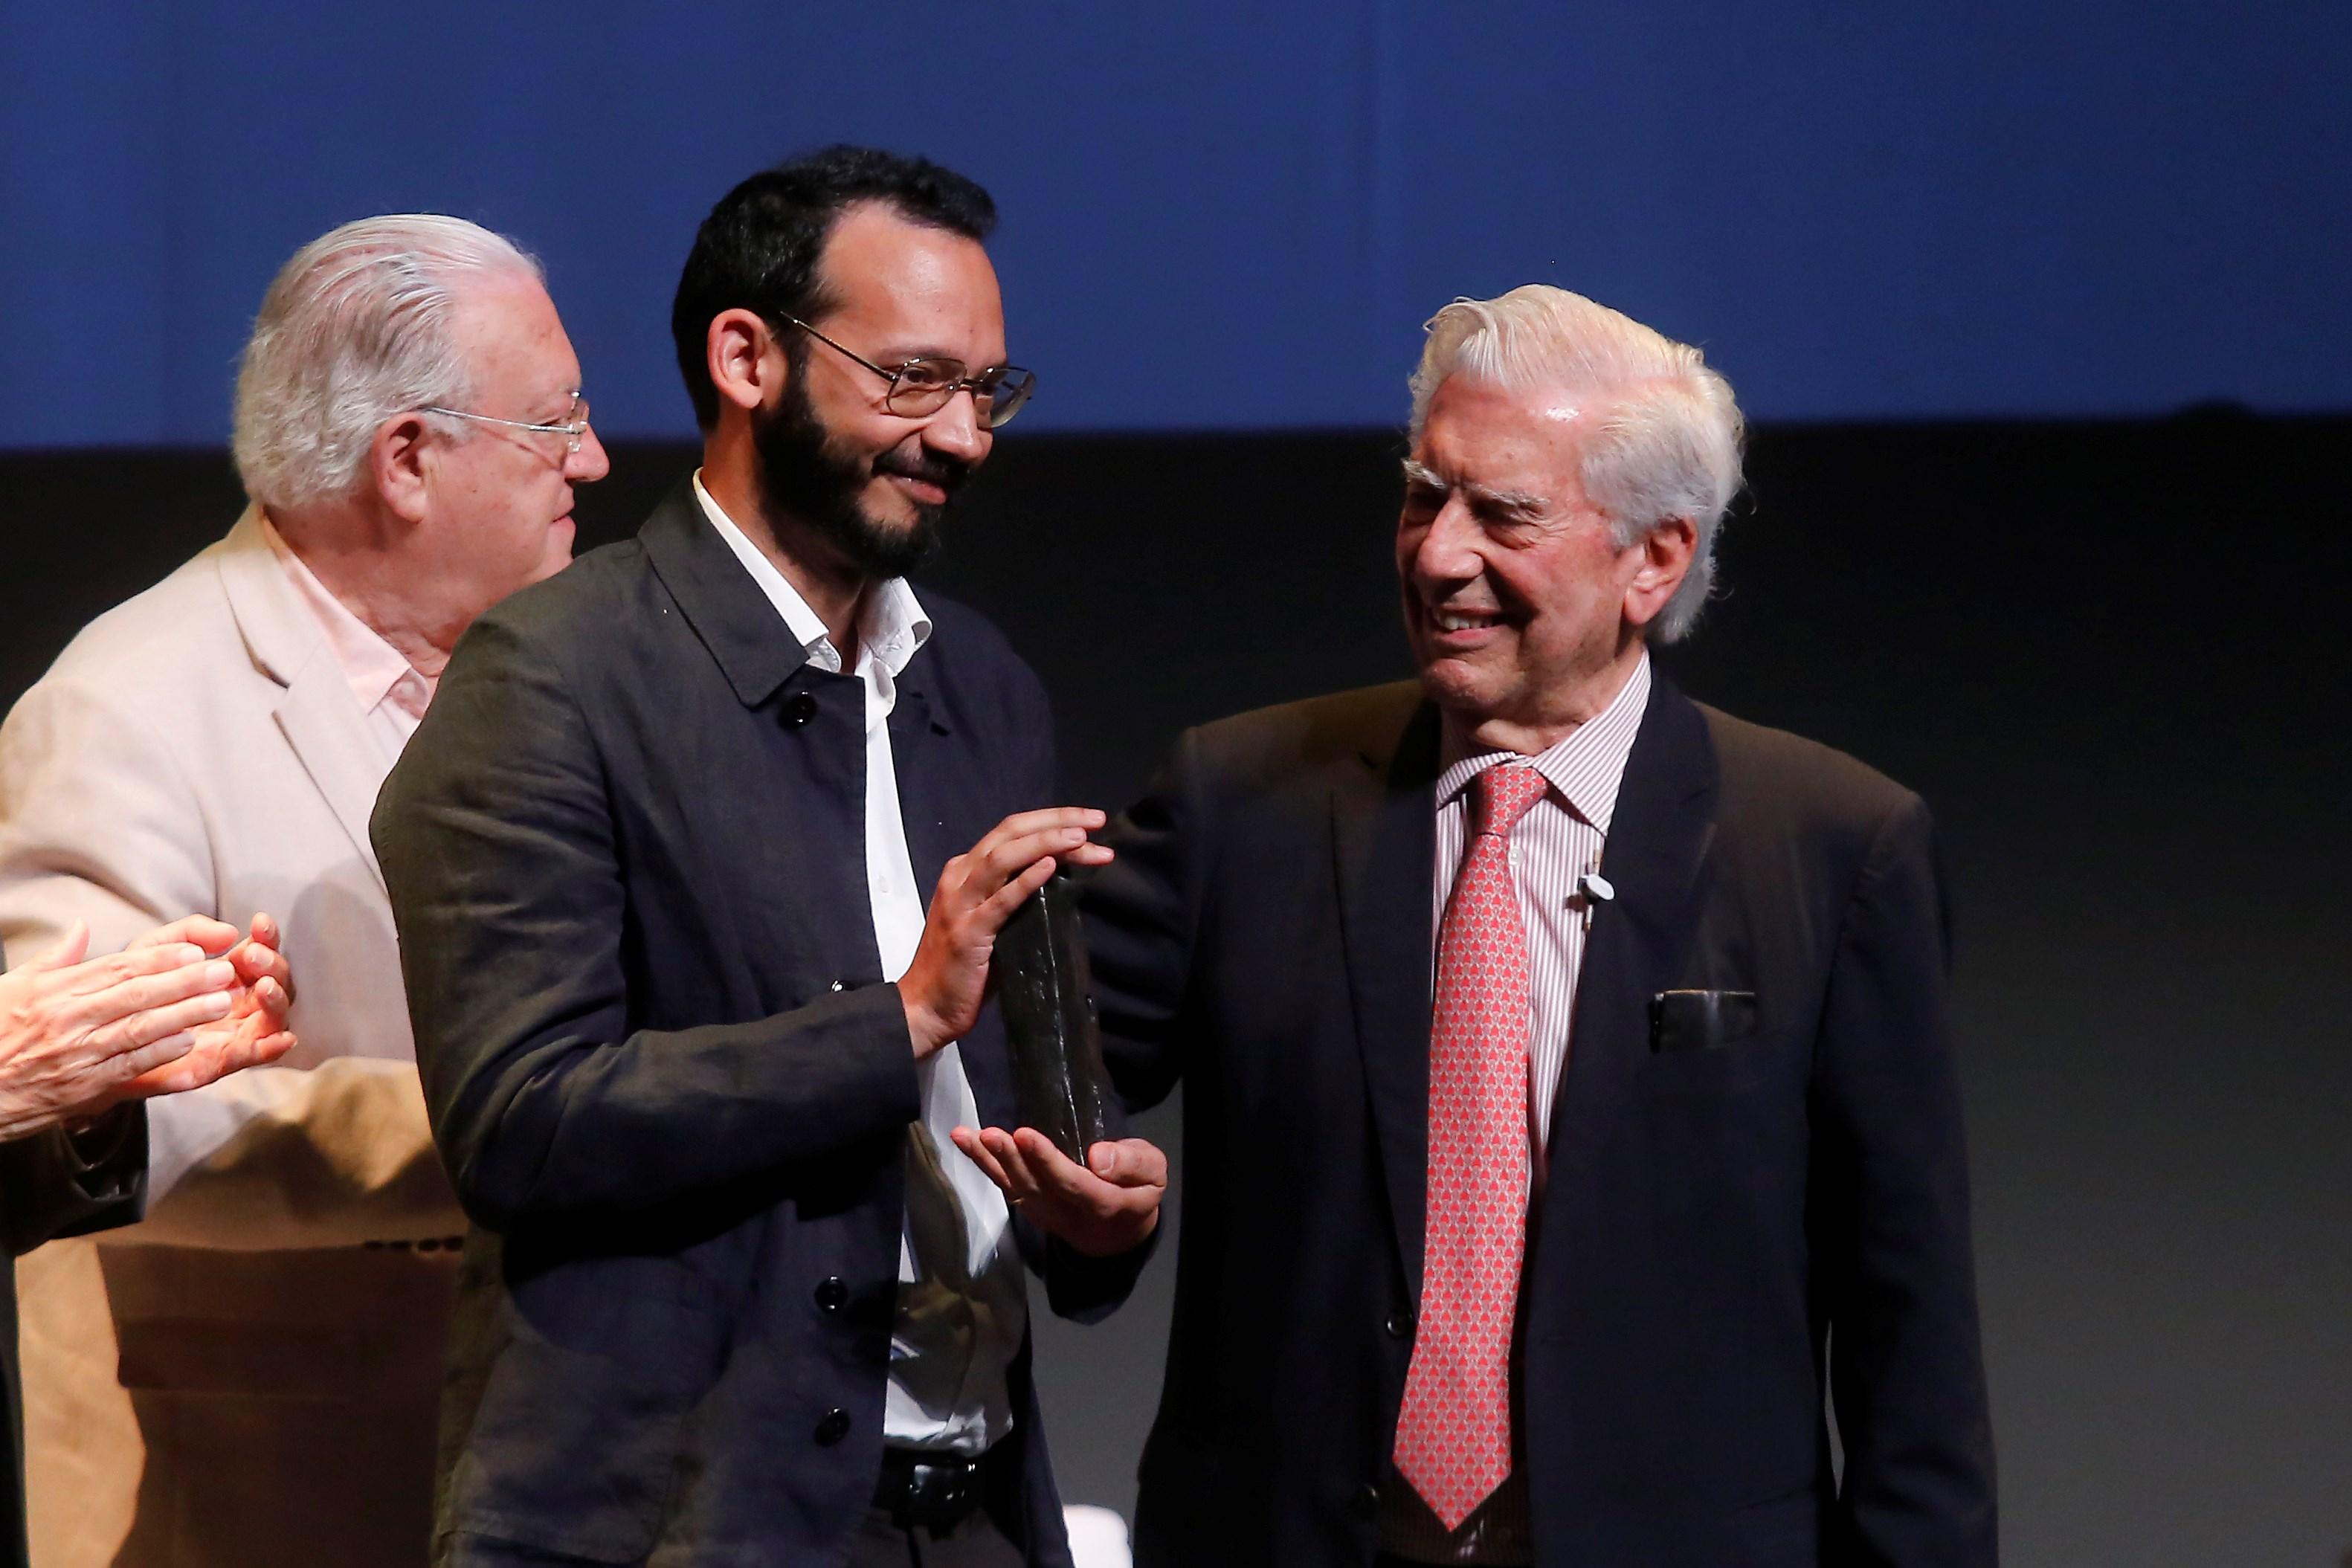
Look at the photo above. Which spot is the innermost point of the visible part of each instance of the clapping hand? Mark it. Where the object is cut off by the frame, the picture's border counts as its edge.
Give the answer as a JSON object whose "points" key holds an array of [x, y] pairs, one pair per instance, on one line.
{"points": [[253, 1032], [79, 1035]]}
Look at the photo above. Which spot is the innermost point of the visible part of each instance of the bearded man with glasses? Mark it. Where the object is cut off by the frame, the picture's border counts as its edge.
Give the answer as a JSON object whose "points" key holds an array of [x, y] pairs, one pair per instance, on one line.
{"points": [[740, 1287], [251, 1375]]}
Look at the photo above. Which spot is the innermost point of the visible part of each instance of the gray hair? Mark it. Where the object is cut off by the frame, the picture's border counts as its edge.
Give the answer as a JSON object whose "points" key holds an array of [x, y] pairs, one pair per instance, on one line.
{"points": [[356, 329], [1663, 439]]}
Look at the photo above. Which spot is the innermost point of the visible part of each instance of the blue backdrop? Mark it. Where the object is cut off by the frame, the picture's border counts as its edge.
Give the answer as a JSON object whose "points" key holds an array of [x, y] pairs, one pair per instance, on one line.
{"points": [[1233, 214]]}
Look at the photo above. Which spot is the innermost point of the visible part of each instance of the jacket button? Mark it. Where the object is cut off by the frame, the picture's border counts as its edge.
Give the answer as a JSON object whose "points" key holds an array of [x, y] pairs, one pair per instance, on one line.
{"points": [[798, 709], [1367, 1502], [838, 986], [1400, 1323], [833, 1428], [833, 1293]]}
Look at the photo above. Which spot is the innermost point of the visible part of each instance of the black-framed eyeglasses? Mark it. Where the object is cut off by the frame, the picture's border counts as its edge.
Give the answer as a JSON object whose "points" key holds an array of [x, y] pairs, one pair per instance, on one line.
{"points": [[572, 426], [923, 386]]}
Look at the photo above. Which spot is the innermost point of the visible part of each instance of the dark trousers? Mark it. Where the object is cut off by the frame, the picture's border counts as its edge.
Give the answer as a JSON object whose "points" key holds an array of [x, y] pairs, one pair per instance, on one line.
{"points": [[976, 1542]]}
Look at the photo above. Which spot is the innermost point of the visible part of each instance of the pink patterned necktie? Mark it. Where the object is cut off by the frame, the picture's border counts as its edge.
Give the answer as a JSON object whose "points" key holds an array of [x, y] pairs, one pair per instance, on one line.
{"points": [[1454, 1432]]}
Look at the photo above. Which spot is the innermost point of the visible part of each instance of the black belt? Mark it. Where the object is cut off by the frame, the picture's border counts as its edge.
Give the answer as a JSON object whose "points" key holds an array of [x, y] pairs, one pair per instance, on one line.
{"points": [[936, 1491]]}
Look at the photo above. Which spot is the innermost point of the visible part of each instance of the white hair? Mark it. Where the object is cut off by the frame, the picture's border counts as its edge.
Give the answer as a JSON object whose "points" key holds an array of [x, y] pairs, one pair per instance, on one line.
{"points": [[354, 330], [1661, 439]]}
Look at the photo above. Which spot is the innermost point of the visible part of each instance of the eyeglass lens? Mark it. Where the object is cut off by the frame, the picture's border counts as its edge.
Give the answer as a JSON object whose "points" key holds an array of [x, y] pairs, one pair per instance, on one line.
{"points": [[924, 386]]}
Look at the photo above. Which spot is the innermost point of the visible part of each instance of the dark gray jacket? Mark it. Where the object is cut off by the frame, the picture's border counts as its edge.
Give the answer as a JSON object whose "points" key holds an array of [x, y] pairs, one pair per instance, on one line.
{"points": [[626, 852]]}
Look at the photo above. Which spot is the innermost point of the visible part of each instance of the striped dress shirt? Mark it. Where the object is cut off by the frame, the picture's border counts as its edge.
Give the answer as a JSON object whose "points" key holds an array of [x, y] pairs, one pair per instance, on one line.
{"points": [[1554, 846]]}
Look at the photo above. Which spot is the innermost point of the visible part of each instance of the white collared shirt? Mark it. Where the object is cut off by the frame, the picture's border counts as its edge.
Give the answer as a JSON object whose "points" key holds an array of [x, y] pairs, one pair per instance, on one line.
{"points": [[962, 1314]]}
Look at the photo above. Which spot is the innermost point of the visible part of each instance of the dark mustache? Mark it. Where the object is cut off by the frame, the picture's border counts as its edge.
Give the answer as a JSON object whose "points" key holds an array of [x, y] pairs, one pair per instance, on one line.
{"points": [[947, 473]]}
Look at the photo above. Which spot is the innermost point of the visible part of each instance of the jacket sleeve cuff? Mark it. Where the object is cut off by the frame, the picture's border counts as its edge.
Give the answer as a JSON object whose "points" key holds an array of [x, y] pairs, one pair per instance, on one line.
{"points": [[1088, 1289]]}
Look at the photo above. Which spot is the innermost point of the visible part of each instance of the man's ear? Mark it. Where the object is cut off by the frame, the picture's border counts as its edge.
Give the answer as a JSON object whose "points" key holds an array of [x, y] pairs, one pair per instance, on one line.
{"points": [[1662, 560], [399, 460], [742, 369]]}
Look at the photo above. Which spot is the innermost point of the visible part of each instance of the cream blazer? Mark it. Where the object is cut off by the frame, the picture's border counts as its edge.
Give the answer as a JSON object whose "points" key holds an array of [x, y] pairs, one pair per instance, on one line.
{"points": [[249, 1376]]}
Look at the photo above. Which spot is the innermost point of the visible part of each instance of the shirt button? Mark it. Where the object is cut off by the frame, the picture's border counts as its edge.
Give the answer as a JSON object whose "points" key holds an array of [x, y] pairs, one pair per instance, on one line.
{"points": [[833, 1428], [833, 1293], [798, 709]]}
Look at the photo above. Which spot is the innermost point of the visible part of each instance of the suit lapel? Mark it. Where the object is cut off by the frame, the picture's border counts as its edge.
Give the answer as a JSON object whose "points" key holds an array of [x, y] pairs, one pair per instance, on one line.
{"points": [[923, 755], [1383, 838], [719, 598], [930, 767], [329, 733], [1656, 859], [325, 728]]}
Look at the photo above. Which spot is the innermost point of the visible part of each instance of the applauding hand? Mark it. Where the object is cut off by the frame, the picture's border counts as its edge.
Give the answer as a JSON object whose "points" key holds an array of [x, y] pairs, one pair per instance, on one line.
{"points": [[253, 1032]]}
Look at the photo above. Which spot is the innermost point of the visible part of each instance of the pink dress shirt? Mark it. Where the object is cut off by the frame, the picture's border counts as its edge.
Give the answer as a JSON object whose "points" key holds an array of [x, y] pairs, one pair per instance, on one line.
{"points": [[387, 687]]}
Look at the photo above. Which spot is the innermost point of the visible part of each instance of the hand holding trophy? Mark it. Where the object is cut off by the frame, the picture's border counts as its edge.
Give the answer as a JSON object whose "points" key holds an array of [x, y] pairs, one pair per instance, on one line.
{"points": [[1099, 1194]]}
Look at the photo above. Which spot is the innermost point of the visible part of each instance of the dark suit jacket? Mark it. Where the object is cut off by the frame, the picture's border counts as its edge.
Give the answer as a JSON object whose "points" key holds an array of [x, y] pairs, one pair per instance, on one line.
{"points": [[626, 855], [1724, 1229], [51, 1188]]}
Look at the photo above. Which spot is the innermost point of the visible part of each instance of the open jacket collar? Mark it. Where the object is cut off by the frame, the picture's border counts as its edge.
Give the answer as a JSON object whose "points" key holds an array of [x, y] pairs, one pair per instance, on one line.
{"points": [[317, 714], [1385, 838], [735, 620]]}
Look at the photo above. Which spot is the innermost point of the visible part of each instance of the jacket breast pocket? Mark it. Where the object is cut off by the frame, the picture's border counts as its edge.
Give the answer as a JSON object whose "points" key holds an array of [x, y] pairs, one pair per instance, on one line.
{"points": [[1700, 1020], [1712, 1042], [575, 1442]]}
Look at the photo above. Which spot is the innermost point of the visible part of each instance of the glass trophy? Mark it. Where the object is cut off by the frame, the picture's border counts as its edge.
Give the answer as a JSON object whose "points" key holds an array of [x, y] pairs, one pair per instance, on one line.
{"points": [[1045, 991]]}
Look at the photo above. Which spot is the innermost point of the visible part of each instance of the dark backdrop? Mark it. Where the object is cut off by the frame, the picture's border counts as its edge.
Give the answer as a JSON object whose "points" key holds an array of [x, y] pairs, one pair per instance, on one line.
{"points": [[2109, 654]]}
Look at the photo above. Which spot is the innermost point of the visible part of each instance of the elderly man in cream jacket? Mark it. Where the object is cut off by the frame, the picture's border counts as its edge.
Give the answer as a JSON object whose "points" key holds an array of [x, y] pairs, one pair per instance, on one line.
{"points": [[250, 1376]]}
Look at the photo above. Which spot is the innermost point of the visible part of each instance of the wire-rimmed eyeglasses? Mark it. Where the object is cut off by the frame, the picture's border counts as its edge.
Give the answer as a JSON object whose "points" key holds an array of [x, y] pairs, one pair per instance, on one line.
{"points": [[923, 386], [572, 426]]}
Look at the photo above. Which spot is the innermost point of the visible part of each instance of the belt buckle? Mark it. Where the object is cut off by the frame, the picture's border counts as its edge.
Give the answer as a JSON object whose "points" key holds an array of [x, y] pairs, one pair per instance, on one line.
{"points": [[938, 1496]]}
